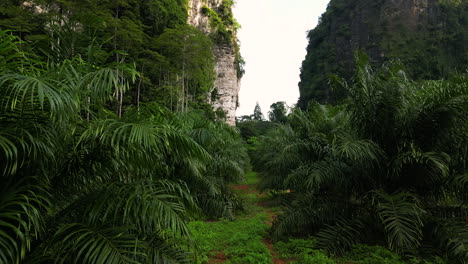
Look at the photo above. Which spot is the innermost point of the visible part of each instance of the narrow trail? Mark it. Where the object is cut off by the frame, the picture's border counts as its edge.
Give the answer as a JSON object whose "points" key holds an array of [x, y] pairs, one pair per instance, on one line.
{"points": [[252, 189], [267, 241], [245, 240]]}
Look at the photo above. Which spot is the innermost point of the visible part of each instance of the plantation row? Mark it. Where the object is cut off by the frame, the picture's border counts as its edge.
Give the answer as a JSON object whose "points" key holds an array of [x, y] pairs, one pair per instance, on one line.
{"points": [[388, 167]]}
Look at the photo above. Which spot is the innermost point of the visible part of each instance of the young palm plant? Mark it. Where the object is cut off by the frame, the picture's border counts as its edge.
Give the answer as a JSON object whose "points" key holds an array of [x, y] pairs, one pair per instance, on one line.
{"points": [[229, 161]]}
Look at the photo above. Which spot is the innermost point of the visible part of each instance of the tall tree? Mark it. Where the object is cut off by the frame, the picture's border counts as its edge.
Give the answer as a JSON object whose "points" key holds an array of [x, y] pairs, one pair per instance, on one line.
{"points": [[278, 112], [191, 59], [257, 113]]}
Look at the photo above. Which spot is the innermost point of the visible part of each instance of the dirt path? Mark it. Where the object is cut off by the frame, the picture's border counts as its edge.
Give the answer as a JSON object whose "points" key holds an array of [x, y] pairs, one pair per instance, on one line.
{"points": [[220, 257], [276, 258]]}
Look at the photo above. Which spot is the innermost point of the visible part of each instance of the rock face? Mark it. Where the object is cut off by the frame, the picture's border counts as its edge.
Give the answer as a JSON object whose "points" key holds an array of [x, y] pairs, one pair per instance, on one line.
{"points": [[227, 84], [196, 17], [429, 37]]}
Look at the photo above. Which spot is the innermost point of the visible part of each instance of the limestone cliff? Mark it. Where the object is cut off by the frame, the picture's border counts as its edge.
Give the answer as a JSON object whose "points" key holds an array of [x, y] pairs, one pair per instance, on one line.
{"points": [[214, 18], [428, 36]]}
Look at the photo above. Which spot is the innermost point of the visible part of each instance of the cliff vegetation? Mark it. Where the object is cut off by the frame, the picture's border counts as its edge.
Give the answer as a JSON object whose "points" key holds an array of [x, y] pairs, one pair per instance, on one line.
{"points": [[429, 37]]}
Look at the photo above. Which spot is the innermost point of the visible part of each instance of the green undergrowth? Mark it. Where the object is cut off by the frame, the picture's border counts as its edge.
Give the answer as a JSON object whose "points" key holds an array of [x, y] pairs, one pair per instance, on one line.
{"points": [[303, 251], [251, 177], [240, 240], [363, 254]]}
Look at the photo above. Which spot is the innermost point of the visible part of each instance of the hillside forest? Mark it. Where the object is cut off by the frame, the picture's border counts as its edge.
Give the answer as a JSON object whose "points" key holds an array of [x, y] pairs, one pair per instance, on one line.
{"points": [[110, 151]]}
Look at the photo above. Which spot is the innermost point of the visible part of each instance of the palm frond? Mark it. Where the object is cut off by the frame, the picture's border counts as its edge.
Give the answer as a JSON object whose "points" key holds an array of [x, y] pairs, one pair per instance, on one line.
{"points": [[401, 215], [462, 179], [40, 90], [308, 212], [436, 164], [293, 220], [22, 205], [405, 137], [79, 243], [357, 150], [326, 173], [166, 251], [452, 237], [145, 138], [11, 56], [341, 236], [149, 205], [21, 145]]}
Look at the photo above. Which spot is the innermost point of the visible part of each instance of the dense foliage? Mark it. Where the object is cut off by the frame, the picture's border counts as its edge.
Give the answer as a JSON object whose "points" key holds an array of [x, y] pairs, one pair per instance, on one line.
{"points": [[82, 183], [429, 37], [109, 152], [304, 251], [387, 168]]}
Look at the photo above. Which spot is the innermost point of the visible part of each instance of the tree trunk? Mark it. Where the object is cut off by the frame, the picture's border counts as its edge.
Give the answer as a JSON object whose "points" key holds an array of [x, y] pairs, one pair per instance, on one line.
{"points": [[139, 91], [183, 86], [118, 95], [89, 106]]}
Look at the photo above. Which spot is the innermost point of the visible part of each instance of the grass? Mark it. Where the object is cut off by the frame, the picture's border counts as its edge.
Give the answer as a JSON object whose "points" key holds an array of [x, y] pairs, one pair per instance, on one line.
{"points": [[304, 251], [251, 178], [239, 241]]}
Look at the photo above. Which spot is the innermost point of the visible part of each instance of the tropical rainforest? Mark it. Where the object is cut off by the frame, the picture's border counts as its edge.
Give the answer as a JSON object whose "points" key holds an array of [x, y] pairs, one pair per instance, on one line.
{"points": [[111, 153]]}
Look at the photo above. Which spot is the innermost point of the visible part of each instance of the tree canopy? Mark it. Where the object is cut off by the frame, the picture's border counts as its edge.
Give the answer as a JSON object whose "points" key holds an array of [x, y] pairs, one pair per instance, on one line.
{"points": [[278, 112]]}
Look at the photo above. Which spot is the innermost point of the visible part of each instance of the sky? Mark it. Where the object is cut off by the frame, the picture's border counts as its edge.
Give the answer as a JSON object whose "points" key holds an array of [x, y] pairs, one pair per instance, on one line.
{"points": [[273, 41]]}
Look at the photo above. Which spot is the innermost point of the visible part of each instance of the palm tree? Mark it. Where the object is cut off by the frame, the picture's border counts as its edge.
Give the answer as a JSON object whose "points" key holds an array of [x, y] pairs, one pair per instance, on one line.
{"points": [[229, 163]]}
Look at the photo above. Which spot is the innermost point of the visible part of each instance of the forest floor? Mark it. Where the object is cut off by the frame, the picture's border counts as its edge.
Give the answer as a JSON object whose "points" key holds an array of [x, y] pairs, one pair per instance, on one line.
{"points": [[246, 240]]}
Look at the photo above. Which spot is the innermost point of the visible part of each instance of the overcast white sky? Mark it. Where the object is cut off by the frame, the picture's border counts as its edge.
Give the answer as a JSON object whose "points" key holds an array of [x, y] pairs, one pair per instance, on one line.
{"points": [[273, 42]]}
